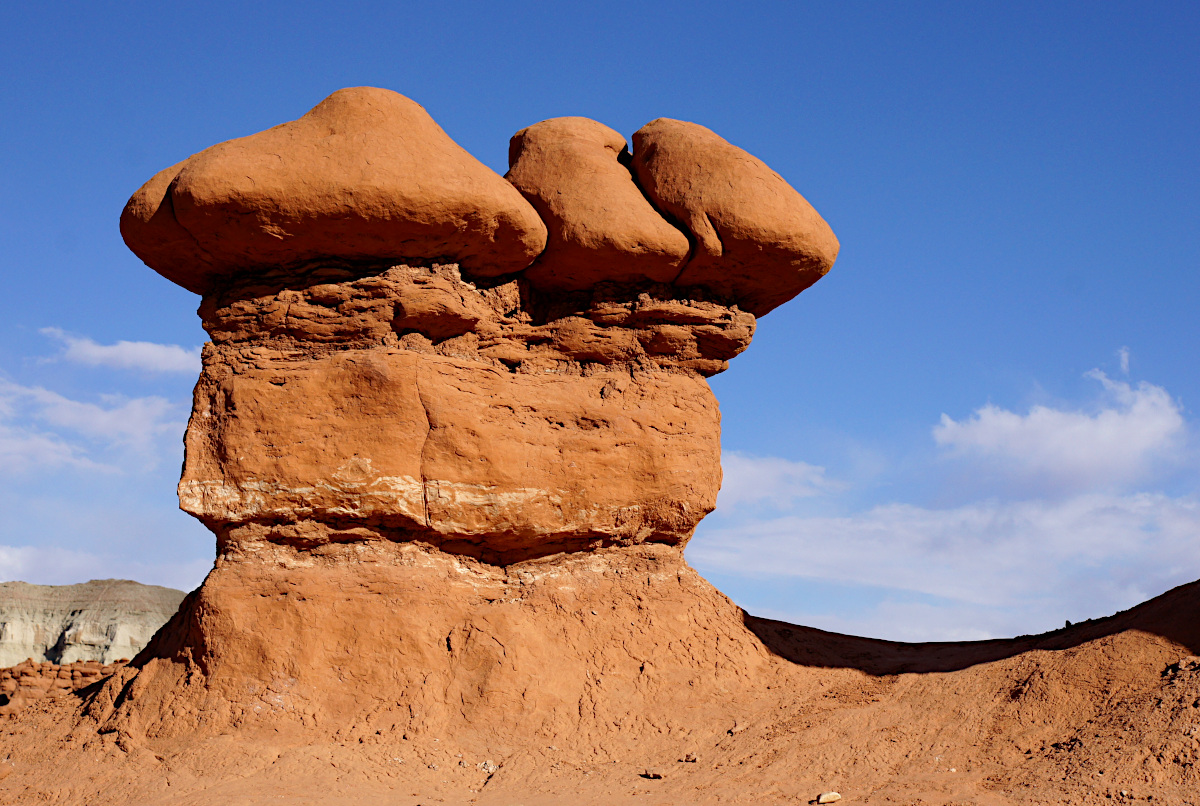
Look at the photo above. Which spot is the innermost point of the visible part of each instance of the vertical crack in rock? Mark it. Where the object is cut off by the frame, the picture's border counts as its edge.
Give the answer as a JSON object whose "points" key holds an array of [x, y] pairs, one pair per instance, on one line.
{"points": [[424, 444]]}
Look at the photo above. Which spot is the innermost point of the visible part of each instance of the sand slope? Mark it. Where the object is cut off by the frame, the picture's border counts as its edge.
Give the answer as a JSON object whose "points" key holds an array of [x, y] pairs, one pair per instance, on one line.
{"points": [[413, 676]]}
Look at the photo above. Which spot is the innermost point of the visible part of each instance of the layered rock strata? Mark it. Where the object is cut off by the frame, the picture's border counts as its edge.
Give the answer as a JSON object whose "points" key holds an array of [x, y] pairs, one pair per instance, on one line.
{"points": [[407, 347], [101, 620]]}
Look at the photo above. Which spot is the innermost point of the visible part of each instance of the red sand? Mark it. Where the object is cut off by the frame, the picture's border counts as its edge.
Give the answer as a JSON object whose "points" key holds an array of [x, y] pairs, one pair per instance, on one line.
{"points": [[414, 677]]}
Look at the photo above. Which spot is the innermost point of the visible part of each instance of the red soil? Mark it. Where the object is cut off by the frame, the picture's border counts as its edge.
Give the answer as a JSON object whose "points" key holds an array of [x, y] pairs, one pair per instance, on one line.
{"points": [[411, 676]]}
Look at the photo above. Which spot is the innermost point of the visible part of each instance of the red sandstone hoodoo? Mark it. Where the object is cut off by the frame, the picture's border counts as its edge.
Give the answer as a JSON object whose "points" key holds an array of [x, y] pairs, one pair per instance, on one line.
{"points": [[452, 433], [403, 351]]}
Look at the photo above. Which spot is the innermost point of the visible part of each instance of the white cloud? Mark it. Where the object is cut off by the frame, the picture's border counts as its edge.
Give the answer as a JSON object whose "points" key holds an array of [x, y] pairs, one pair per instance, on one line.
{"points": [[40, 428], [1074, 538], [1087, 555], [1123, 357], [1133, 431], [140, 355], [21, 450], [767, 479]]}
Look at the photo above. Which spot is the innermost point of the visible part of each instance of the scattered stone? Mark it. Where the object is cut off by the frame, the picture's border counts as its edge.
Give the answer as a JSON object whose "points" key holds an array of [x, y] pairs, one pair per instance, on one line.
{"points": [[690, 758], [29, 681], [828, 797], [487, 766], [653, 775]]}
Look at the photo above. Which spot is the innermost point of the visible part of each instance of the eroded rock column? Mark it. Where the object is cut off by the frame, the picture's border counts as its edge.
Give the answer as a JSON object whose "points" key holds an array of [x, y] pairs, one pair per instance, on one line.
{"points": [[408, 347]]}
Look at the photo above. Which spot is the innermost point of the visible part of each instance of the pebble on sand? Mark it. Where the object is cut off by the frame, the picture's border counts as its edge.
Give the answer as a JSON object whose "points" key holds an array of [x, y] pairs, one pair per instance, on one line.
{"points": [[828, 797]]}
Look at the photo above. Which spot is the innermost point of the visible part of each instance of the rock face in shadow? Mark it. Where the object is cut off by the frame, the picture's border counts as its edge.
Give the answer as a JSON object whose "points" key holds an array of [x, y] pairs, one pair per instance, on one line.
{"points": [[102, 620]]}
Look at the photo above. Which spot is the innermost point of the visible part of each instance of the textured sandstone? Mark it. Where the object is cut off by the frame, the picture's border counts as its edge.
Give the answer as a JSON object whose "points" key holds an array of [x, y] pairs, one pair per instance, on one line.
{"points": [[101, 620], [29, 681], [361, 387], [392, 673], [574, 171], [757, 241], [406, 403], [420, 630], [381, 368], [366, 174]]}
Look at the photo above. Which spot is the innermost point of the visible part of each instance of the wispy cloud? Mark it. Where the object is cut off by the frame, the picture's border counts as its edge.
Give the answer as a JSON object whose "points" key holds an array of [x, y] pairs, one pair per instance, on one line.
{"points": [[1131, 432], [22, 449], [1121, 548], [1078, 535], [768, 480], [40, 428], [137, 355]]}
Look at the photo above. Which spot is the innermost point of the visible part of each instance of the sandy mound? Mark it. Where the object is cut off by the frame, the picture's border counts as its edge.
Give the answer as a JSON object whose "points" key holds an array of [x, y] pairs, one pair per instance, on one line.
{"points": [[406, 675]]}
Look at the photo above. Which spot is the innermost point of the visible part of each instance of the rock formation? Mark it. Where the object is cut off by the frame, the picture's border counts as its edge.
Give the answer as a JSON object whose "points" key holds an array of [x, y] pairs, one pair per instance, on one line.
{"points": [[28, 681], [395, 357], [452, 434], [422, 376], [368, 175], [101, 620]]}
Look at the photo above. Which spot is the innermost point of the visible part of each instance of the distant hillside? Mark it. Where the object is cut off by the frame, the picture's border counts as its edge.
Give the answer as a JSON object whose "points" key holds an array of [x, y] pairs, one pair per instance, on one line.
{"points": [[102, 620]]}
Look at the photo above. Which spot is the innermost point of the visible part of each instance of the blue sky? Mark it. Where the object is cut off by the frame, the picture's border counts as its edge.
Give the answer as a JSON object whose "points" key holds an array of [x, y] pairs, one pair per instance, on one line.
{"points": [[980, 423]]}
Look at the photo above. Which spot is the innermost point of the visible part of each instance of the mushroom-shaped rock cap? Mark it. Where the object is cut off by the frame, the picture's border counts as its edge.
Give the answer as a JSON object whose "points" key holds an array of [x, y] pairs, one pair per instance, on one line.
{"points": [[573, 171], [757, 241], [367, 174]]}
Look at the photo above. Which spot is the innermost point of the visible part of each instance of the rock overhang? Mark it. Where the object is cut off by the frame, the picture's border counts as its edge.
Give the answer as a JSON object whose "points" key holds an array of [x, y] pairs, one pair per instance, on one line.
{"points": [[367, 175]]}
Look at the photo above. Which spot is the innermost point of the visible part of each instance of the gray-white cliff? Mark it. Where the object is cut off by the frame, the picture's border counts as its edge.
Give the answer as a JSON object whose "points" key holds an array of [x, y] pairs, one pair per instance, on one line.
{"points": [[102, 620]]}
